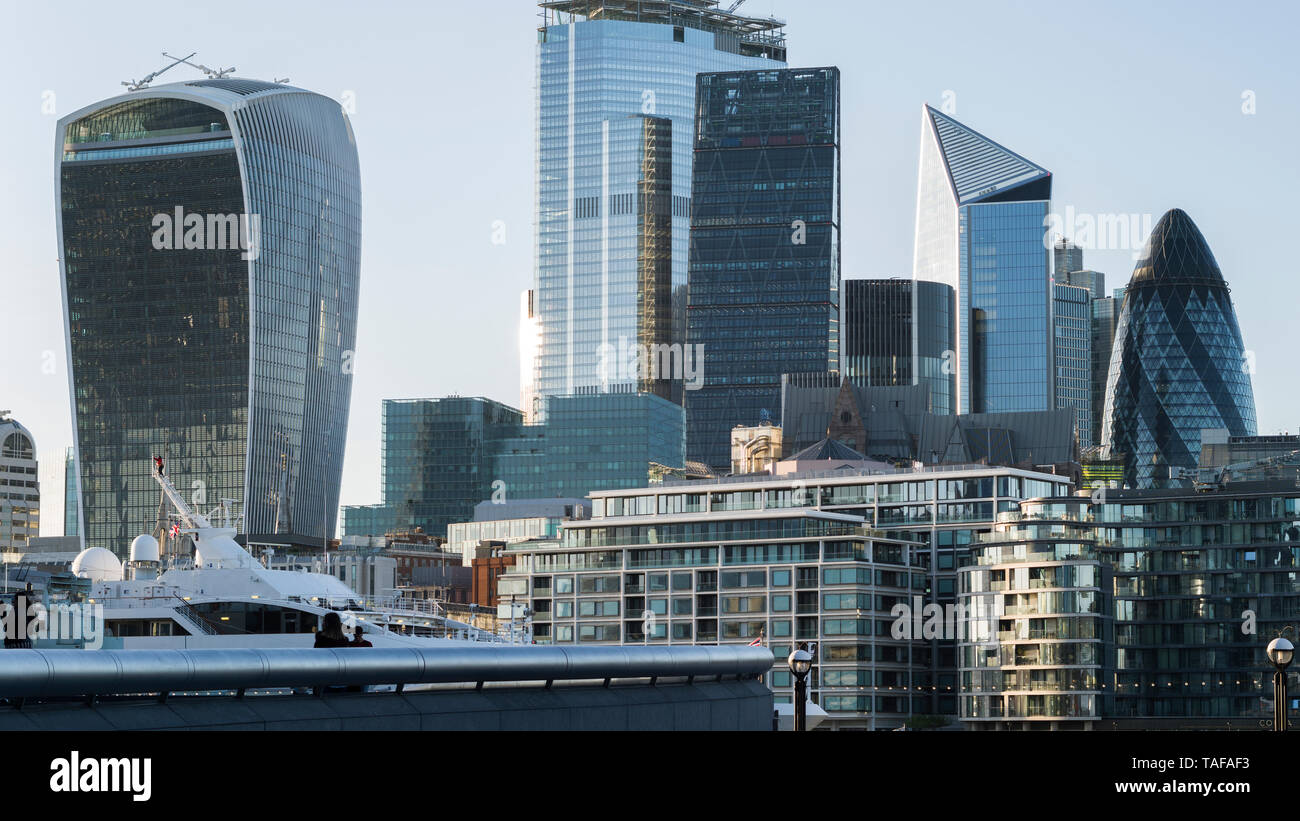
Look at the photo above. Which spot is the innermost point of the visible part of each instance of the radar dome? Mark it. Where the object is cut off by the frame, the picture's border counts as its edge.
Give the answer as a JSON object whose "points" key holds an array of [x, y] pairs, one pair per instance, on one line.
{"points": [[144, 548], [97, 564]]}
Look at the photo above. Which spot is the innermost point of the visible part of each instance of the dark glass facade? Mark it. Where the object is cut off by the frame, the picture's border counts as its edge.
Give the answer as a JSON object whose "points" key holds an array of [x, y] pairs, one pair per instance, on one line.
{"points": [[593, 441], [1178, 363], [159, 339], [899, 332], [1105, 314], [1202, 582], [1072, 317], [71, 523], [764, 283], [439, 460], [1148, 609], [233, 363]]}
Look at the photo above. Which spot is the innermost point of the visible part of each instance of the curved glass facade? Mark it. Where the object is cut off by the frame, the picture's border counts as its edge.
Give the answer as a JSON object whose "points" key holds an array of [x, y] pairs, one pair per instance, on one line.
{"points": [[228, 357], [1038, 624], [304, 179], [1178, 363], [896, 332]]}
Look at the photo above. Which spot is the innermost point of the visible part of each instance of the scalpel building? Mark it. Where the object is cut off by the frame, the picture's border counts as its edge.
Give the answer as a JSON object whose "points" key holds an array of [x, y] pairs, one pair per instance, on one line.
{"points": [[209, 237], [980, 214]]}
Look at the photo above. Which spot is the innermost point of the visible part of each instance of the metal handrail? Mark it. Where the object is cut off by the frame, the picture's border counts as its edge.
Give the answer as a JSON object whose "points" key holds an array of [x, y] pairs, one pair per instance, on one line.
{"points": [[52, 673], [190, 612]]}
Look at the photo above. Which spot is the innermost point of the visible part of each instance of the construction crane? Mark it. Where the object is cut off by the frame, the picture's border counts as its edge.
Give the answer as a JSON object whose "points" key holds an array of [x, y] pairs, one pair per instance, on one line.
{"points": [[734, 6], [214, 73], [136, 85]]}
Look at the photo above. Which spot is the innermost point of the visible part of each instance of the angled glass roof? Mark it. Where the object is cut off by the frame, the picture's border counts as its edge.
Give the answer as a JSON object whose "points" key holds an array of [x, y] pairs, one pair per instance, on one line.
{"points": [[979, 168]]}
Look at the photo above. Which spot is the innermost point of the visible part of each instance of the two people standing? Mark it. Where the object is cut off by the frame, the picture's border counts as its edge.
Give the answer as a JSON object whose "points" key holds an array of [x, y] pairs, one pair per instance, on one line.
{"points": [[331, 634]]}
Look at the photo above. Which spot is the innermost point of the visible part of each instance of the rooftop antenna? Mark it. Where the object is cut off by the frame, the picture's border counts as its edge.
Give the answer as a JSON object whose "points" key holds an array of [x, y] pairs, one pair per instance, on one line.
{"points": [[213, 73], [136, 85], [282, 80]]}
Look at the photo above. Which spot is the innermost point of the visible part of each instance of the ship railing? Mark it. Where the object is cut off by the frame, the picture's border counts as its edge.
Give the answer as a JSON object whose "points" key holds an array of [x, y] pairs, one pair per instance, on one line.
{"points": [[200, 621]]}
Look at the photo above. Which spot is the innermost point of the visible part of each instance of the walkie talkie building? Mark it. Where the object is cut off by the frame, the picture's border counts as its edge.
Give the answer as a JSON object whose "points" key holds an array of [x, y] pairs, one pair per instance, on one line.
{"points": [[210, 236]]}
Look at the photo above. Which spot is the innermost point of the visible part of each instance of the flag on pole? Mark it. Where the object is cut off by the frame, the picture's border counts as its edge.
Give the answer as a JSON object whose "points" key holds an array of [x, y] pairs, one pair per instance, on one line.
{"points": [[758, 642], [176, 531]]}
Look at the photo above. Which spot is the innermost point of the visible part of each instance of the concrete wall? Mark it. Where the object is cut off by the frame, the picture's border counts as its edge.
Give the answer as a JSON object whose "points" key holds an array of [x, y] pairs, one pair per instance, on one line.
{"points": [[727, 705]]}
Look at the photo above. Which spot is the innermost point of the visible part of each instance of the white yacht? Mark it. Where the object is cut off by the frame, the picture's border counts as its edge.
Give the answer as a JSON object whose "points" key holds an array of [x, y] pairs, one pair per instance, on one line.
{"points": [[223, 597]]}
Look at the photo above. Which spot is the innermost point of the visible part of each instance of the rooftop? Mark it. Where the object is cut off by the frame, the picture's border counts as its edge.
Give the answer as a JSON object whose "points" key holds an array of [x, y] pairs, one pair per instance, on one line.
{"points": [[697, 14], [846, 474]]}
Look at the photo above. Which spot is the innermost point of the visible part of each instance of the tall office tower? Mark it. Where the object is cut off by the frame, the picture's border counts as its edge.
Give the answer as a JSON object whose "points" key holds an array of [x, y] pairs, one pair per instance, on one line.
{"points": [[980, 214], [530, 342], [209, 234], [765, 246], [439, 460], [1066, 258], [899, 332], [71, 510], [1094, 281], [20, 490], [615, 107], [1178, 364], [1105, 315], [1072, 317]]}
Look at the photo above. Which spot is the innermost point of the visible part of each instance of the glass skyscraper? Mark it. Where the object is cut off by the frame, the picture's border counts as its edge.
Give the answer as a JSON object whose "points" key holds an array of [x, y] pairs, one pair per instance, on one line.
{"points": [[981, 211], [441, 457], [439, 460], [764, 286], [615, 107], [896, 332], [1178, 364], [593, 441], [71, 525], [210, 234], [1072, 318], [1105, 315], [1066, 259]]}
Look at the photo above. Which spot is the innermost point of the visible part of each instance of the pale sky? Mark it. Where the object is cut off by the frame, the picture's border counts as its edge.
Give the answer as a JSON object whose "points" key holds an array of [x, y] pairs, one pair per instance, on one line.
{"points": [[1134, 107]]}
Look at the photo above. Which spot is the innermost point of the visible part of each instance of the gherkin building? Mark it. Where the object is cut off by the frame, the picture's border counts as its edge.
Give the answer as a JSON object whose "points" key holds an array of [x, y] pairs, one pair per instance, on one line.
{"points": [[1178, 364]]}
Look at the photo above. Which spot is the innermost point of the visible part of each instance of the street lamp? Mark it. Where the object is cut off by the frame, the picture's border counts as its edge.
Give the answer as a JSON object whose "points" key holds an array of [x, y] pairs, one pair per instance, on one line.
{"points": [[800, 663], [1280, 651]]}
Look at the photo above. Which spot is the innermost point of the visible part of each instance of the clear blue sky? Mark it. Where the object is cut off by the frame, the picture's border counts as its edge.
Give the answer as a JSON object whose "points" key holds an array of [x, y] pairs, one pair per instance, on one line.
{"points": [[1135, 108]]}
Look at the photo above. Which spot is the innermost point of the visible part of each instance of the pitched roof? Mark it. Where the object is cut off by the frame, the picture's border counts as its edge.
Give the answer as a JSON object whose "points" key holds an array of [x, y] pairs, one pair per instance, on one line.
{"points": [[827, 449]]}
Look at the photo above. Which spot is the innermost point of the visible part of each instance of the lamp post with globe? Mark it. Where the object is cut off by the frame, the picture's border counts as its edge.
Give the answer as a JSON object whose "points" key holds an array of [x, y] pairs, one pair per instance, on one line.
{"points": [[1280, 652], [800, 662]]}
